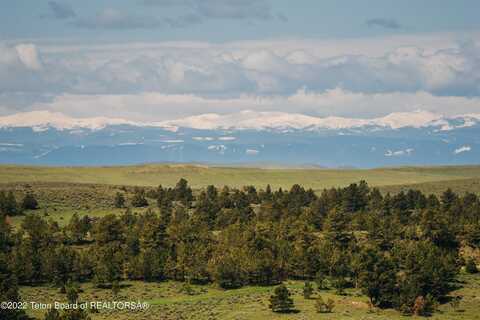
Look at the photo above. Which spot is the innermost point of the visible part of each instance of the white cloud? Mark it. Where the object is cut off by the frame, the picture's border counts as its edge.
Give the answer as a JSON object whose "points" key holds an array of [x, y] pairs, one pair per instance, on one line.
{"points": [[231, 70], [227, 138], [152, 105], [398, 153], [27, 53], [356, 78], [203, 138], [462, 149], [218, 147], [21, 70]]}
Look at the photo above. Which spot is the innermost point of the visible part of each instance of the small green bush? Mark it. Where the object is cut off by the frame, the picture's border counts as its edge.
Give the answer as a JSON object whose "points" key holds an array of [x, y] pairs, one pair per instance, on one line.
{"points": [[471, 266]]}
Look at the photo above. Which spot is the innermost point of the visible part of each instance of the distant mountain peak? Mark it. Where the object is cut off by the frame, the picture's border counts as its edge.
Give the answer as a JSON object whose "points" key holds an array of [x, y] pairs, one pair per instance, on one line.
{"points": [[406, 138], [255, 120], [244, 120], [42, 120]]}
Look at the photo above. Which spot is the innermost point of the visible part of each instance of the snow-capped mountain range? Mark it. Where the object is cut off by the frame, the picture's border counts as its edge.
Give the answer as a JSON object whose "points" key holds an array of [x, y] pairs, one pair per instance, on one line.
{"points": [[245, 120], [411, 138], [280, 120]]}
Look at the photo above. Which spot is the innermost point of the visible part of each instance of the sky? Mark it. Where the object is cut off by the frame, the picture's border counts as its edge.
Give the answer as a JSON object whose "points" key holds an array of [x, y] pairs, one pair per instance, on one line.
{"points": [[168, 59]]}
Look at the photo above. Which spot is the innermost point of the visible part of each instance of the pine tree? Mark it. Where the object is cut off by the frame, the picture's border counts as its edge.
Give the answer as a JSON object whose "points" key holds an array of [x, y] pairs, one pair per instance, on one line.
{"points": [[281, 301], [9, 205], [72, 298], [448, 198], [29, 202], [9, 291], [119, 200], [139, 199], [336, 227], [228, 272], [77, 228], [267, 195], [183, 192], [64, 261], [377, 278]]}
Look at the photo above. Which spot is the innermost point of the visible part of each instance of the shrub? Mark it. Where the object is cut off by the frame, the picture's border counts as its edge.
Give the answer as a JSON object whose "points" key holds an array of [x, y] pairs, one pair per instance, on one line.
{"points": [[186, 288], [115, 288], [455, 302], [307, 290], [340, 284], [320, 280], [423, 306], [281, 301], [29, 202], [119, 200], [324, 307], [471, 266], [139, 199]]}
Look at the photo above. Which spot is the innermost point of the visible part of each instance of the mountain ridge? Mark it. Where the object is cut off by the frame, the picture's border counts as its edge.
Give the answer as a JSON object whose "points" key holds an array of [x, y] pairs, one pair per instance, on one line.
{"points": [[418, 138], [244, 120]]}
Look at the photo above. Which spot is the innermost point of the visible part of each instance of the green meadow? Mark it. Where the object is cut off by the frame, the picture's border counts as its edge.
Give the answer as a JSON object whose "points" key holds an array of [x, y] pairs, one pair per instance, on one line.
{"points": [[63, 191], [200, 176], [168, 302]]}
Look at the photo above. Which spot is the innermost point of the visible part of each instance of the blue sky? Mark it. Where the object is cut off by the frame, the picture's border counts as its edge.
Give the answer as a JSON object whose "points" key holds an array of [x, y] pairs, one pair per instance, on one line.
{"points": [[164, 59], [238, 20]]}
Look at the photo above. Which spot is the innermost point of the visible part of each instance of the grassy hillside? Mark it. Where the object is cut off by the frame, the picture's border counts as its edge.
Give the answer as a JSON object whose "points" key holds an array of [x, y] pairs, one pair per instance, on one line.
{"points": [[63, 191], [460, 186], [200, 176], [209, 302]]}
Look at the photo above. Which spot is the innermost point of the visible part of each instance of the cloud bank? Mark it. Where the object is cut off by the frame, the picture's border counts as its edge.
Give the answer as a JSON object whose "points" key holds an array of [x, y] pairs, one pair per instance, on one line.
{"points": [[221, 9], [171, 80], [230, 71], [196, 12]]}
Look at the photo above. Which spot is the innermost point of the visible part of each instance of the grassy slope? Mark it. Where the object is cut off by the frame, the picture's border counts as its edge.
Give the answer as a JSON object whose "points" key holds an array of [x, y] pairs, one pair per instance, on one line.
{"points": [[245, 303], [460, 186], [200, 176], [61, 191]]}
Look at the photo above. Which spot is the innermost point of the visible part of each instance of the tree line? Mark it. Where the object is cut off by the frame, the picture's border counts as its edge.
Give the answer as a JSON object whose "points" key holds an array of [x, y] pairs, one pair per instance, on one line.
{"points": [[401, 250], [9, 205]]}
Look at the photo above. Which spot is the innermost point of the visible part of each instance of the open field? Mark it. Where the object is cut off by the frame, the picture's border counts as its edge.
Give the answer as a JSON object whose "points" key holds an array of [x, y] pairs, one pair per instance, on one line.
{"points": [[460, 186], [201, 176], [63, 191], [167, 302]]}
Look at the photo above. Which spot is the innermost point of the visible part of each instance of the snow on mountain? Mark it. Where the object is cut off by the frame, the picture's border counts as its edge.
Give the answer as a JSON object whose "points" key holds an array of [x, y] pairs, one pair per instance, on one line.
{"points": [[244, 120], [415, 138], [416, 119], [42, 120], [280, 120]]}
